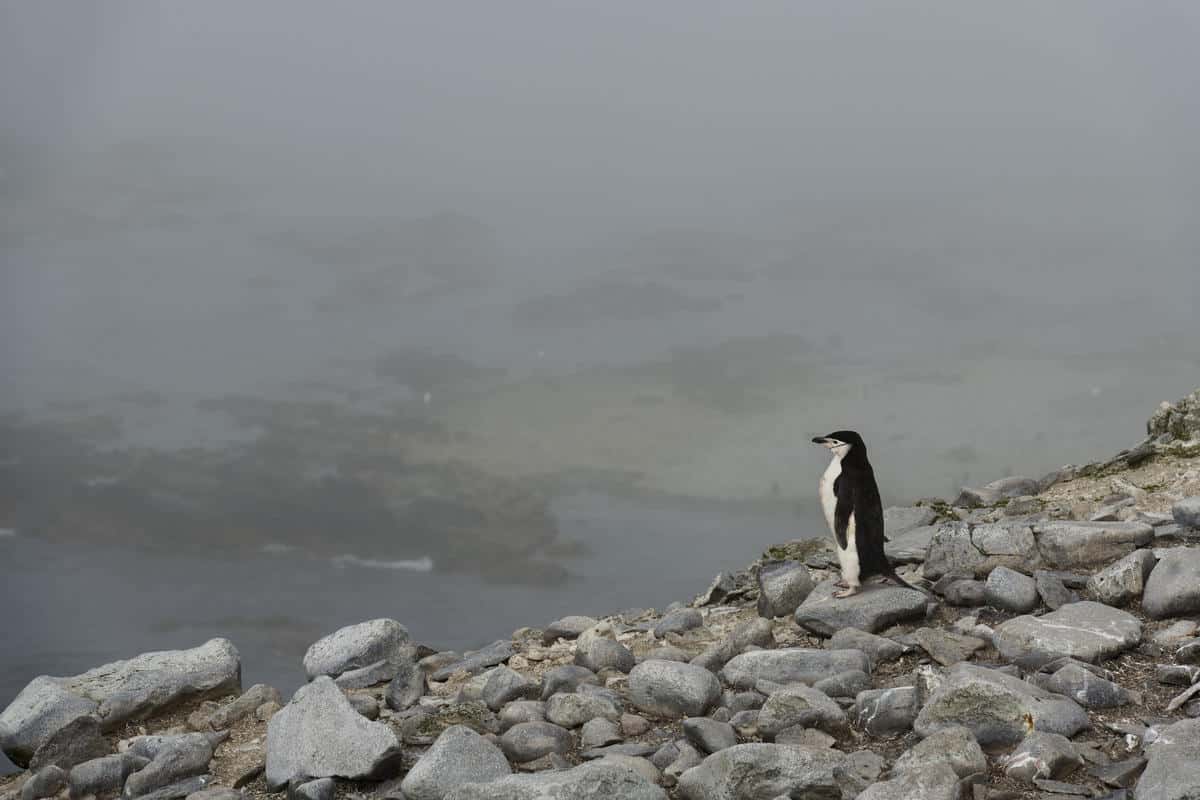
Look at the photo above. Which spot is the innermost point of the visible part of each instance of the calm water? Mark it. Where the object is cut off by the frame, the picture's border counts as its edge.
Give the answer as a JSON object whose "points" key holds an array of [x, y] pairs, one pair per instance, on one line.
{"points": [[70, 608]]}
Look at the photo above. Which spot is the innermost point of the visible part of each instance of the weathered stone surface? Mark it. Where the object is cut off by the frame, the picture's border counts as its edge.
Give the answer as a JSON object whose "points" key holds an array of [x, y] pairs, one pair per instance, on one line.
{"points": [[929, 782], [782, 587], [954, 745], [801, 705], [1010, 590], [844, 684], [596, 780], [1053, 591], [357, 646], [757, 632], [505, 685], [966, 593], [1086, 688], [185, 787], [459, 756], [1123, 581], [321, 789], [1186, 512], [946, 647], [104, 776], [476, 661], [898, 520], [791, 665], [910, 547], [1042, 755], [1085, 630], [239, 708], [708, 735], [572, 710], [1173, 589], [46, 782], [678, 621], [671, 689], [117, 692], [879, 649], [886, 712], [1075, 545], [994, 492], [996, 707], [875, 607], [78, 741], [978, 549], [599, 653], [566, 678], [567, 628], [406, 687], [528, 741], [183, 758], [599, 732], [320, 735], [1173, 769], [764, 771]]}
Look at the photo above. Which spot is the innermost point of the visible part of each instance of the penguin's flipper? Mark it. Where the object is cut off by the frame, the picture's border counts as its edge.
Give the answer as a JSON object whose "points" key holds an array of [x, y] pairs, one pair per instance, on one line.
{"points": [[844, 493]]}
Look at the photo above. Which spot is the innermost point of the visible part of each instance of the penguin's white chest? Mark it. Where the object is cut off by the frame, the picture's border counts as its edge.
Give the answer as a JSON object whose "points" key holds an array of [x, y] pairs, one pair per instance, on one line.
{"points": [[828, 498], [847, 556]]}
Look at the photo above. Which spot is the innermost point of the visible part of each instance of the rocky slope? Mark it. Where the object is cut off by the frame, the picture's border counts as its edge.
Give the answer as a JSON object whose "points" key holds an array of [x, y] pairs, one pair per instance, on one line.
{"points": [[1056, 656]]}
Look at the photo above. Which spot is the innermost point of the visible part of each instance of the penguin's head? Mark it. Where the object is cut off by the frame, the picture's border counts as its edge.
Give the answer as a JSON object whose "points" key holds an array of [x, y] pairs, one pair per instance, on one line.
{"points": [[840, 442]]}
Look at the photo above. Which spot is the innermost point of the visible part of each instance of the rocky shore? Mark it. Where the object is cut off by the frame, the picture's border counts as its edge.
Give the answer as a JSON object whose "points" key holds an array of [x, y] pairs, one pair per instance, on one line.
{"points": [[1056, 656]]}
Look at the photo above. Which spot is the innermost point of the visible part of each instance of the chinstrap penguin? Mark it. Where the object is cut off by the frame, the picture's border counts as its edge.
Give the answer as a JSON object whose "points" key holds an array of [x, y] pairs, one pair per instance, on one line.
{"points": [[854, 511]]}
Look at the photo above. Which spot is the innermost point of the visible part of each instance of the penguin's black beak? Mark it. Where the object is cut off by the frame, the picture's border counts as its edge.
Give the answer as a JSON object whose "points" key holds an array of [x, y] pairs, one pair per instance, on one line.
{"points": [[820, 439]]}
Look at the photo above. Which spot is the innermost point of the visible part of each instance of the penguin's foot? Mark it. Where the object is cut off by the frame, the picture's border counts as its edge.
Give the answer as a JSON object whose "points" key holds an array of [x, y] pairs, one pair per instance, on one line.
{"points": [[847, 592], [841, 584]]}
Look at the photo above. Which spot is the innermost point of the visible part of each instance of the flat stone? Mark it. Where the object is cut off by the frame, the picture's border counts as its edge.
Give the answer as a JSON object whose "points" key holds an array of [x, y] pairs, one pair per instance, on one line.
{"points": [[180, 789], [1053, 591], [764, 771], [1173, 588], [708, 735], [1087, 689], [320, 735], [954, 745], [216, 793], [782, 587], [1042, 755], [356, 646], [573, 710], [791, 665], [78, 741], [945, 647], [1176, 633], [930, 782], [320, 789], [505, 685], [630, 749], [804, 737], [477, 661], [910, 547], [529, 741], [1076, 545], [566, 678], [1123, 581], [898, 520], [995, 707], [596, 780], [239, 708], [879, 649], [182, 759], [567, 628], [801, 705], [994, 492], [459, 756], [844, 684], [671, 689], [968, 593], [600, 653], [679, 621], [1087, 631], [754, 633], [875, 607], [599, 732], [977, 549], [1119, 774], [1010, 590], [886, 712], [1061, 787], [104, 776]]}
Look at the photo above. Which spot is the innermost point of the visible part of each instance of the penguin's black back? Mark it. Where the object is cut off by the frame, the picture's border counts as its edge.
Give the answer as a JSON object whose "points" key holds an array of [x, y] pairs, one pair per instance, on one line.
{"points": [[858, 494]]}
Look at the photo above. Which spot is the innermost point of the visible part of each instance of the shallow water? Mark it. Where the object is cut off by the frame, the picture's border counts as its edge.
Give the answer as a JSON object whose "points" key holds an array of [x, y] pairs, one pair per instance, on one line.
{"points": [[72, 607]]}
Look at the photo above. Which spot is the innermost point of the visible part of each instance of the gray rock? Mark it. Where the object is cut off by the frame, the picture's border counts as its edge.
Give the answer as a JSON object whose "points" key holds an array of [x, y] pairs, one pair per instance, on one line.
{"points": [[844, 684], [596, 780], [476, 661], [637, 764], [875, 607], [1054, 592], [634, 725], [1188, 652], [572, 710], [954, 745], [407, 686], [180, 789], [1009, 590], [1085, 630], [364, 704], [1123, 581], [321, 789], [241, 707], [722, 586], [911, 547], [634, 749], [886, 712], [1075, 545], [185, 758], [1042, 755], [930, 782], [599, 732], [995, 707], [1121, 774], [152, 746], [117, 692], [801, 705], [962, 547], [459, 756], [670, 689], [567, 628], [1187, 512], [902, 519], [1176, 674], [805, 737], [522, 711], [320, 735], [505, 685], [1173, 589], [946, 647], [994, 492], [969, 593], [879, 649], [742, 701], [782, 587], [678, 621], [216, 793], [791, 665], [757, 633], [708, 735], [104, 776], [765, 771], [1085, 688], [529, 741], [76, 742], [566, 678], [356, 646], [667, 652], [46, 782], [599, 653], [1176, 633]]}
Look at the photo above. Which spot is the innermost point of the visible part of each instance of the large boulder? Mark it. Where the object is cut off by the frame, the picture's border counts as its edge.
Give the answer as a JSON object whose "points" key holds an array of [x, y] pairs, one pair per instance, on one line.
{"points": [[458, 757], [1086, 630], [115, 693], [1173, 771], [876, 606], [1075, 545], [320, 735], [357, 646], [1173, 588], [791, 665], [672, 689], [967, 548], [596, 780], [997, 708], [765, 771]]}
